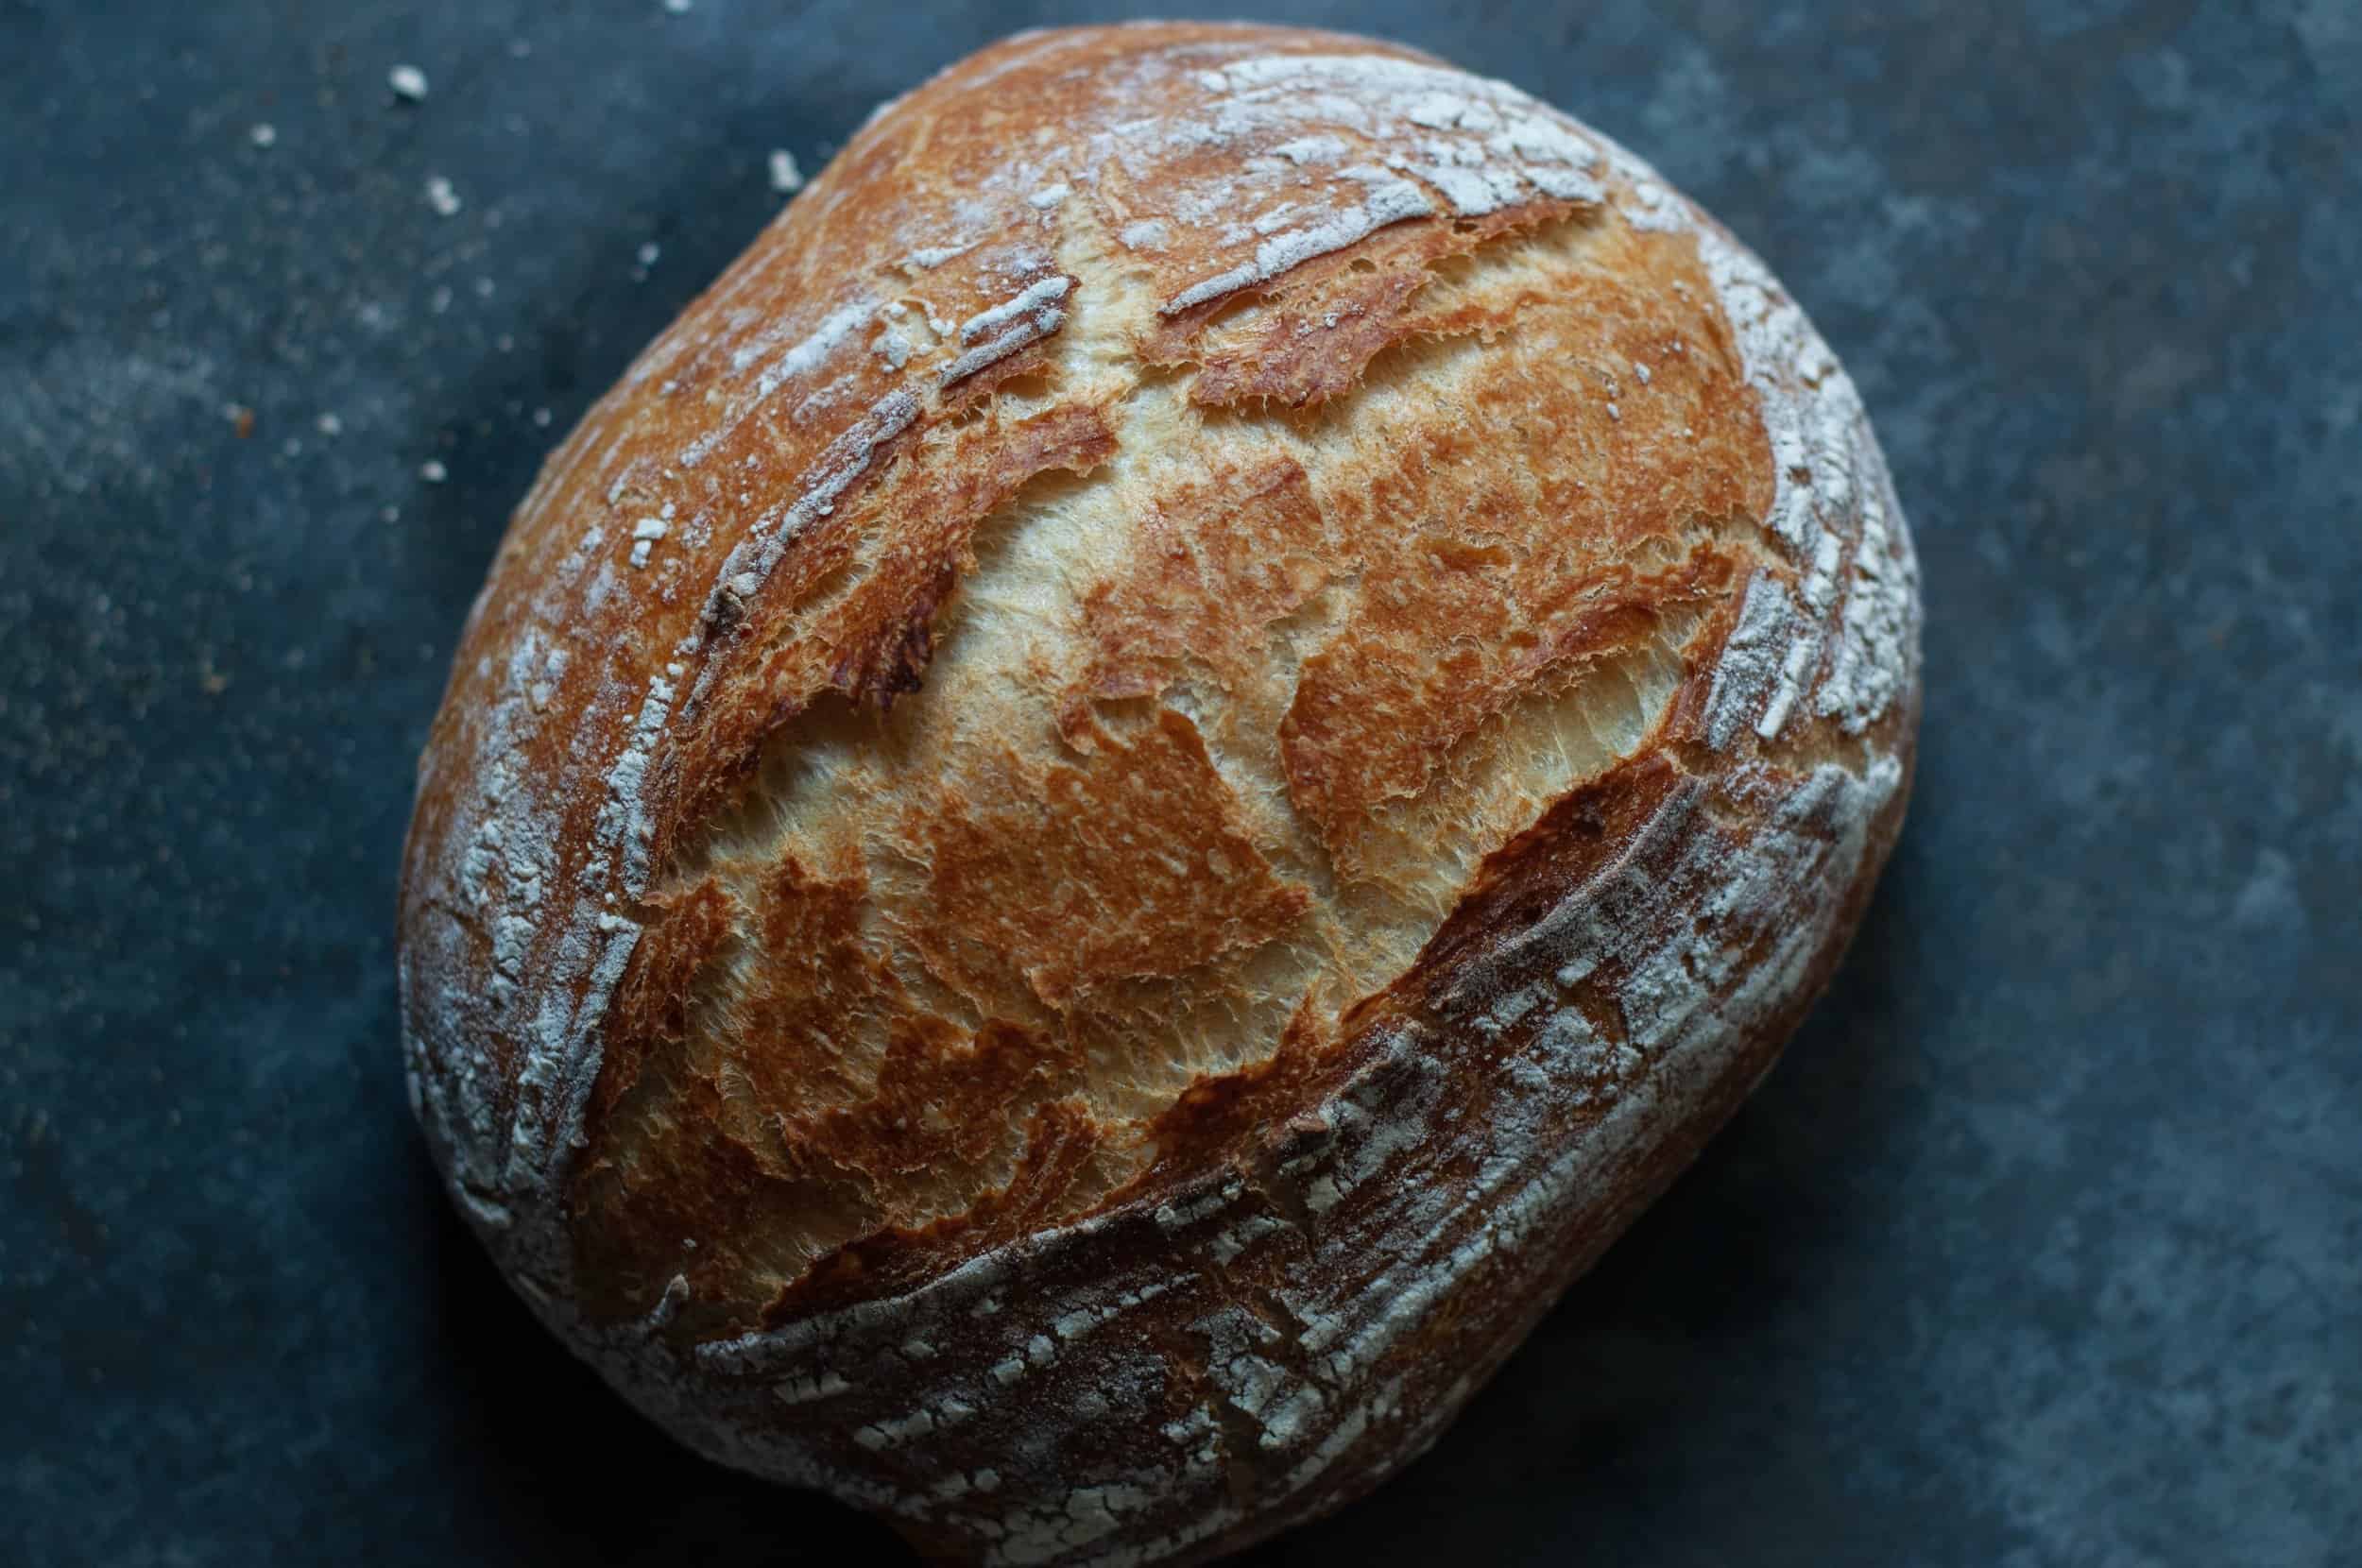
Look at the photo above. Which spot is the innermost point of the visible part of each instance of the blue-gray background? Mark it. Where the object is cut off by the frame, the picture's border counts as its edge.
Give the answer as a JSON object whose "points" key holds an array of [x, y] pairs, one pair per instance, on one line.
{"points": [[2043, 1247]]}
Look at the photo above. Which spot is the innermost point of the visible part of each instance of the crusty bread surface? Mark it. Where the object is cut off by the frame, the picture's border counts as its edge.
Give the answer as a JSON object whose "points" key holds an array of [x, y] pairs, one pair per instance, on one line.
{"points": [[1144, 781]]}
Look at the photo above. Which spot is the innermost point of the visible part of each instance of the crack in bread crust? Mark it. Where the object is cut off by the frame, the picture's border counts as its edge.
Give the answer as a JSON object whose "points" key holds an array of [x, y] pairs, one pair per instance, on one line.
{"points": [[1142, 782]]}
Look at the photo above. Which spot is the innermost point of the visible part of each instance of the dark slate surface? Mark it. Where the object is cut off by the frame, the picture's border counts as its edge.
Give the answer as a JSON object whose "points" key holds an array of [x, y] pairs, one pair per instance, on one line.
{"points": [[2043, 1248]]}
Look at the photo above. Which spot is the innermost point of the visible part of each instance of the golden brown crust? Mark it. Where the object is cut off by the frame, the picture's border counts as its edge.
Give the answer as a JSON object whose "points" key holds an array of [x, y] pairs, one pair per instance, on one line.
{"points": [[1143, 779], [1322, 322], [1101, 899]]}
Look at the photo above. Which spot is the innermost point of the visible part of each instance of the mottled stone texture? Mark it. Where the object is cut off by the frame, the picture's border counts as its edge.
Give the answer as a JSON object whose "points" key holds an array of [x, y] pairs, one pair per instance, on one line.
{"points": [[2044, 1246]]}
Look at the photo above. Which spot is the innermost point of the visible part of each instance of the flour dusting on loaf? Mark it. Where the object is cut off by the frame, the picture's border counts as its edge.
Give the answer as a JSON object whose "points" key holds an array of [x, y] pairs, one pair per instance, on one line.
{"points": [[1144, 780]]}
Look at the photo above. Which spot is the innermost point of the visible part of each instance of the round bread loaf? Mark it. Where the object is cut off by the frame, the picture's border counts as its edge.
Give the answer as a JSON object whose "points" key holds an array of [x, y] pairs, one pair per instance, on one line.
{"points": [[1144, 780]]}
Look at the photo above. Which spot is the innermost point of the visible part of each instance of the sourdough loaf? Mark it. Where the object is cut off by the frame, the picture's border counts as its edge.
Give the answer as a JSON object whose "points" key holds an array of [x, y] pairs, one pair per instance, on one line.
{"points": [[1144, 781]]}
